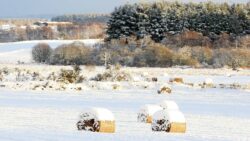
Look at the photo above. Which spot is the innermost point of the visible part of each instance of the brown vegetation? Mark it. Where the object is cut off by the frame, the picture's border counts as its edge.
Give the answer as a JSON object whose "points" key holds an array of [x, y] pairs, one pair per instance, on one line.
{"points": [[146, 53], [71, 54], [187, 38], [176, 80], [71, 76]]}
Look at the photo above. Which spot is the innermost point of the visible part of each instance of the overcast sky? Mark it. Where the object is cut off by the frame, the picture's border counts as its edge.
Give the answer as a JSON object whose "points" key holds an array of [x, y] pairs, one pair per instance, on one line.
{"points": [[27, 8]]}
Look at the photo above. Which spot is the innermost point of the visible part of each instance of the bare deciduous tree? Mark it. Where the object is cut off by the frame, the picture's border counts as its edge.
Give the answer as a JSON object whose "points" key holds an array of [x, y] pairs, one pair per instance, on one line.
{"points": [[41, 53]]}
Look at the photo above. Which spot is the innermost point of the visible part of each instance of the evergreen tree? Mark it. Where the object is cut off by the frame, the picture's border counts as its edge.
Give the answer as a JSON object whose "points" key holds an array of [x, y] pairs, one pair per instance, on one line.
{"points": [[157, 19], [158, 24], [142, 21], [122, 22]]}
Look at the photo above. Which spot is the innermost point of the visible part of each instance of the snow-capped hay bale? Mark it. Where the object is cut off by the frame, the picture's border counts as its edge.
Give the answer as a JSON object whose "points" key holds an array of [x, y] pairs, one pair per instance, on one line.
{"points": [[169, 105], [165, 74], [146, 112], [208, 83], [97, 120], [136, 78], [116, 87], [145, 74], [165, 88], [176, 80], [169, 121]]}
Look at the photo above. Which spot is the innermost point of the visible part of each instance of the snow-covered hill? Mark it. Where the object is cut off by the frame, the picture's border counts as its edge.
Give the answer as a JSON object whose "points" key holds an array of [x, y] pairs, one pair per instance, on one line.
{"points": [[21, 51]]}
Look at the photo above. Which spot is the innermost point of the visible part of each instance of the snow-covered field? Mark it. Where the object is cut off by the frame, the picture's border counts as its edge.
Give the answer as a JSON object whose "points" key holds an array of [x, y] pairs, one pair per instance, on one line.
{"points": [[21, 51], [211, 113], [51, 114]]}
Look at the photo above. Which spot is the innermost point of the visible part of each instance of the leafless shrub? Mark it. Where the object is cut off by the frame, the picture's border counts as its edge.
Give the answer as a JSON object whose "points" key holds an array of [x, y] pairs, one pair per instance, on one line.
{"points": [[1, 76], [71, 76], [41, 53], [71, 54], [232, 57], [113, 75], [103, 77], [5, 71], [52, 76], [35, 76], [67, 76]]}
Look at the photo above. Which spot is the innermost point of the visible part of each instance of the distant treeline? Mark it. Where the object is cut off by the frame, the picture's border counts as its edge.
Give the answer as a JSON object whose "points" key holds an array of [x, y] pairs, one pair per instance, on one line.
{"points": [[161, 34], [20, 22], [61, 32], [160, 19], [151, 54], [83, 18]]}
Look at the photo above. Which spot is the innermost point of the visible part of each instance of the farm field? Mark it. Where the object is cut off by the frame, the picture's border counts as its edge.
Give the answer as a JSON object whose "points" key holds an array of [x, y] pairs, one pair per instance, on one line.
{"points": [[48, 115], [40, 108], [120, 70]]}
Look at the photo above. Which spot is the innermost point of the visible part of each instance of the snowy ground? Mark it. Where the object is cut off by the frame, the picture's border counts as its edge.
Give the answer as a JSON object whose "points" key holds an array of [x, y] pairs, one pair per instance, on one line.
{"points": [[21, 51], [212, 114]]}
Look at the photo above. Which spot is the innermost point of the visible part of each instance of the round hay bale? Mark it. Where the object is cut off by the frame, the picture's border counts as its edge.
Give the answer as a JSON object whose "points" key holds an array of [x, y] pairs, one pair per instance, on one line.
{"points": [[169, 121], [165, 74], [229, 74], [146, 112], [176, 80], [208, 83], [137, 78], [97, 120], [145, 74], [165, 88], [169, 105]]}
